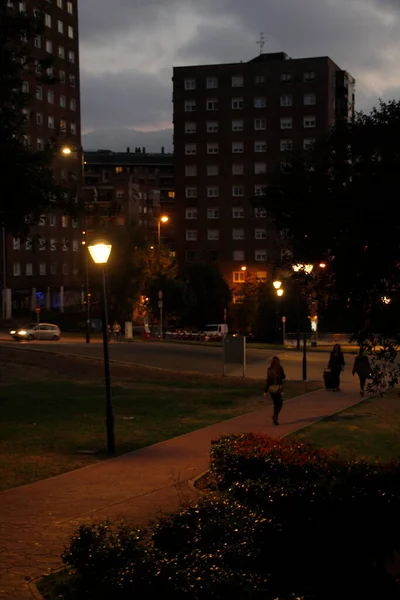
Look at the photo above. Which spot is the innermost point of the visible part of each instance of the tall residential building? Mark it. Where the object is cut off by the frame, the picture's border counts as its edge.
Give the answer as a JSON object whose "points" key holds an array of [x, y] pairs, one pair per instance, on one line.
{"points": [[234, 124], [45, 270]]}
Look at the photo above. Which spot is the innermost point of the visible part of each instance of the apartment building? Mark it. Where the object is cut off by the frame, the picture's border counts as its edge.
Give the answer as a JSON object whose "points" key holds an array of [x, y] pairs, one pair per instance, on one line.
{"points": [[234, 124], [45, 270]]}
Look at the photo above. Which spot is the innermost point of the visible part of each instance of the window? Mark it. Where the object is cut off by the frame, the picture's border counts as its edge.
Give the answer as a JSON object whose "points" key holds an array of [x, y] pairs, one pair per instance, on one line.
{"points": [[260, 255], [191, 170], [28, 269], [74, 223], [237, 147], [237, 103], [309, 122], [310, 99], [259, 79], [72, 127], [70, 8], [238, 234], [237, 212], [65, 245], [16, 244], [42, 244], [213, 192], [237, 190], [213, 235], [308, 143], [190, 84], [212, 213], [261, 276], [42, 220], [190, 105], [59, 3], [260, 124], [213, 255], [260, 146], [191, 192], [284, 166], [190, 149], [286, 100], [47, 20], [191, 213], [53, 245], [238, 255], [50, 96], [40, 144], [64, 221], [237, 125], [190, 127], [212, 170], [53, 268], [71, 56], [63, 101], [191, 235], [309, 76], [16, 269], [260, 102], [61, 76], [212, 148], [212, 126], [72, 80], [259, 189], [63, 125], [42, 269], [75, 245], [260, 168], [120, 194], [39, 119], [239, 276], [260, 234], [25, 87], [237, 169], [60, 27], [211, 83], [72, 104], [286, 77], [52, 220], [38, 68], [28, 244], [70, 32], [286, 145], [286, 123], [212, 104], [50, 122], [260, 213], [38, 41], [237, 81], [65, 269], [49, 46], [38, 93]]}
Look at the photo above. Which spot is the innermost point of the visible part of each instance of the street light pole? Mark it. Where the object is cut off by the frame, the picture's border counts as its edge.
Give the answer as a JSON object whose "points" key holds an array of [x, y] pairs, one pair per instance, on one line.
{"points": [[159, 231], [107, 377]]}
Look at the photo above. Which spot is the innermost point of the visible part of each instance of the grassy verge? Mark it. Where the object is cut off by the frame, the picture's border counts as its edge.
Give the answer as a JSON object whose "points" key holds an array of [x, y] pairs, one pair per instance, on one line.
{"points": [[369, 430], [53, 410]]}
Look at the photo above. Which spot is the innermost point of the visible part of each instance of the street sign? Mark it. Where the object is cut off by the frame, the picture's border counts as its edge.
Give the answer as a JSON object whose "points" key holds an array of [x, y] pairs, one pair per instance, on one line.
{"points": [[160, 304], [283, 319], [37, 310]]}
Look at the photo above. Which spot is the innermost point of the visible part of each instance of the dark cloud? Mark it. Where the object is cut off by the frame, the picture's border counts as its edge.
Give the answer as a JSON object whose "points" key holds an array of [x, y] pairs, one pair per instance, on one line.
{"points": [[119, 140]]}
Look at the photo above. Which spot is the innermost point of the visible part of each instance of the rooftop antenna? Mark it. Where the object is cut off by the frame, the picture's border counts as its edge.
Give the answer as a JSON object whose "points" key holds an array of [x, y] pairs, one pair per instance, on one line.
{"points": [[261, 42]]}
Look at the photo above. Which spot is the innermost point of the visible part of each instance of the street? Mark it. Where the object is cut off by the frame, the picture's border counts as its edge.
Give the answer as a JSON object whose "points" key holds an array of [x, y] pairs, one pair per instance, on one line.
{"points": [[200, 359]]}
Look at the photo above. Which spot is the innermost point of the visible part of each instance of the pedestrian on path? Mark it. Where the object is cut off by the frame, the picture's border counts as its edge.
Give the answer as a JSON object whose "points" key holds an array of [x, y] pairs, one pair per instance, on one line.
{"points": [[116, 331], [336, 365], [274, 385], [363, 369]]}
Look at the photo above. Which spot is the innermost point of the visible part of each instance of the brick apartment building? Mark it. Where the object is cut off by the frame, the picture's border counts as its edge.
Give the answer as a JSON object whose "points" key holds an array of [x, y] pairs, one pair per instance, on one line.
{"points": [[234, 124], [48, 273], [139, 184]]}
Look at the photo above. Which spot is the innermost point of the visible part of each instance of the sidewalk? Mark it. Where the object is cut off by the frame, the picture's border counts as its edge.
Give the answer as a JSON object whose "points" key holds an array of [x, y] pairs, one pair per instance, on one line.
{"points": [[36, 520]]}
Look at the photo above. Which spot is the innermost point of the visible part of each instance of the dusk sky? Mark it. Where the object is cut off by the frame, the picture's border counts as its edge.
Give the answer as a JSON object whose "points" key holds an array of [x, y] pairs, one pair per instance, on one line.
{"points": [[128, 49]]}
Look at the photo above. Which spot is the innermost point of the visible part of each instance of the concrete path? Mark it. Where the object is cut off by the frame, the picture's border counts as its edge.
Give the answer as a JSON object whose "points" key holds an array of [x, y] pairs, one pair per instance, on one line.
{"points": [[36, 520]]}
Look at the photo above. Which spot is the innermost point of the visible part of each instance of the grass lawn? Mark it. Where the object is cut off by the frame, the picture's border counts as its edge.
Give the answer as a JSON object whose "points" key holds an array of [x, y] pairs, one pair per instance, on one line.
{"points": [[53, 409], [370, 430]]}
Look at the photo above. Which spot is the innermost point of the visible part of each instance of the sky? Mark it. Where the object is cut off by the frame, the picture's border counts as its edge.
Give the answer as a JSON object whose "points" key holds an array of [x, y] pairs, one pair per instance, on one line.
{"points": [[129, 47]]}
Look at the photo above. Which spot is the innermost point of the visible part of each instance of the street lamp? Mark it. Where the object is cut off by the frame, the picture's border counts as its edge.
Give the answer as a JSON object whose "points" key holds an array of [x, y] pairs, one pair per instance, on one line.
{"points": [[277, 285], [163, 219], [279, 293], [100, 252]]}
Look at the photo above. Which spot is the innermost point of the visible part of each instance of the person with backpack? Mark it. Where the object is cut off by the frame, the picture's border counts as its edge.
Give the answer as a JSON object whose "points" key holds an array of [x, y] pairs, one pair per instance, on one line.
{"points": [[274, 386], [363, 369]]}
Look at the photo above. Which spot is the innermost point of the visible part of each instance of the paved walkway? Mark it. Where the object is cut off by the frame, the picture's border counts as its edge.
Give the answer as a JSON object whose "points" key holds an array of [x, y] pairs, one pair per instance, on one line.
{"points": [[36, 520]]}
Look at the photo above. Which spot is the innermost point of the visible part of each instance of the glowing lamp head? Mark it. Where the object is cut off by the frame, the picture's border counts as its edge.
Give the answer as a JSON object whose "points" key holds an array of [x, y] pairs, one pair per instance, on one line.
{"points": [[164, 219], [322, 265], [277, 284], [100, 252], [279, 293], [244, 268], [66, 150]]}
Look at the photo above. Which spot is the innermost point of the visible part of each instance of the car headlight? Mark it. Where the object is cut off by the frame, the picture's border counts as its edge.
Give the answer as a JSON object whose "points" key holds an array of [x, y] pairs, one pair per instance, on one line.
{"points": [[22, 332], [13, 332]]}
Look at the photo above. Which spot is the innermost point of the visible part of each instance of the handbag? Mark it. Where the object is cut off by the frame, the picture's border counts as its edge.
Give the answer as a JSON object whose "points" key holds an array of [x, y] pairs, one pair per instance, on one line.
{"points": [[275, 389]]}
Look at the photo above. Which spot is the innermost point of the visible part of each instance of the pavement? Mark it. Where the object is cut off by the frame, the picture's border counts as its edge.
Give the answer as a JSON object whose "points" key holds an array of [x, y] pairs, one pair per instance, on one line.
{"points": [[191, 358], [36, 520]]}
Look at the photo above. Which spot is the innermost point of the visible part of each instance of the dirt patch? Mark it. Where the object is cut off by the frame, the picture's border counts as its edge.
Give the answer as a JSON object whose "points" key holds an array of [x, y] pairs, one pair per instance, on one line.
{"points": [[206, 483]]}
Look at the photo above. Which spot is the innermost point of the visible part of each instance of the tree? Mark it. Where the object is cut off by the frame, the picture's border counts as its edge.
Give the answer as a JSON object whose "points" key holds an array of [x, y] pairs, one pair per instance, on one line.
{"points": [[27, 173], [336, 204]]}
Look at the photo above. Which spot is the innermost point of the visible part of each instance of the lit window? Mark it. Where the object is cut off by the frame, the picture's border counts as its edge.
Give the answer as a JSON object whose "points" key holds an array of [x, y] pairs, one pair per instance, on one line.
{"points": [[72, 127], [59, 3], [63, 125], [213, 234], [237, 103], [64, 221], [212, 126], [190, 84], [70, 8], [190, 127], [238, 277], [191, 235]]}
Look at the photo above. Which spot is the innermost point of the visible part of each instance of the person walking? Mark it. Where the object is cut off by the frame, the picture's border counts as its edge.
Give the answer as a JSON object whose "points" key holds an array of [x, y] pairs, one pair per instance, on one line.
{"points": [[336, 365], [363, 369], [116, 331], [274, 386]]}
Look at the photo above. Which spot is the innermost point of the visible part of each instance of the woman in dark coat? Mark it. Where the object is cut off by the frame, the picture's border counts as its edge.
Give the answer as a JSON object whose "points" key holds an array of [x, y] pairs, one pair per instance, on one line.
{"points": [[274, 385], [363, 369], [336, 365]]}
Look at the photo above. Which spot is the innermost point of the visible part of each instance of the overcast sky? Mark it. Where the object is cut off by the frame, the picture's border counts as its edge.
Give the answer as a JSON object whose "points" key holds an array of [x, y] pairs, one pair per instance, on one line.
{"points": [[128, 49]]}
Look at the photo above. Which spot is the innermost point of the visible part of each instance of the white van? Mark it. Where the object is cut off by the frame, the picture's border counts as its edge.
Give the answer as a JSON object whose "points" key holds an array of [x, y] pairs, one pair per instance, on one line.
{"points": [[215, 332]]}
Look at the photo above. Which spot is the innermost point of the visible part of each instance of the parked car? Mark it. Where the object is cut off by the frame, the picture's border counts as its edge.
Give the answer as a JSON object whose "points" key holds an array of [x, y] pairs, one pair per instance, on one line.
{"points": [[215, 332], [37, 331]]}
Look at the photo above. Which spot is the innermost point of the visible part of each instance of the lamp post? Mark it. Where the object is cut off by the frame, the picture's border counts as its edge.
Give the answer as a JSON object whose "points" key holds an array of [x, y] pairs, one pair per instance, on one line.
{"points": [[100, 252], [279, 293], [162, 219]]}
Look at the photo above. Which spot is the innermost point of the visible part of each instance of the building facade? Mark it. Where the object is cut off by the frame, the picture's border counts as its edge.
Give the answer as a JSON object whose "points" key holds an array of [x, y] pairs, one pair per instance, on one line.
{"points": [[45, 270], [234, 124]]}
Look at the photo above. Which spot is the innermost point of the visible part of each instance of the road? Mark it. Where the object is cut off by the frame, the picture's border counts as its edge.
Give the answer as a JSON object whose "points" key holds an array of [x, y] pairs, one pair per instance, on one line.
{"points": [[184, 358]]}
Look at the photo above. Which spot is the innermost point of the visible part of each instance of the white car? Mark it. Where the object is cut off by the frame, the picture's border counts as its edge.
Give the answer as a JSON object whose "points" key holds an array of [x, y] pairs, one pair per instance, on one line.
{"points": [[37, 331]]}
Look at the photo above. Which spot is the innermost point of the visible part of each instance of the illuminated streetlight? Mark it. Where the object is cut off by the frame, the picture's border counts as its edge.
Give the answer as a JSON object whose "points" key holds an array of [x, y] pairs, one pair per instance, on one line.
{"points": [[322, 265], [244, 268], [386, 300], [100, 252], [279, 293], [277, 285], [306, 268], [163, 219], [66, 150]]}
